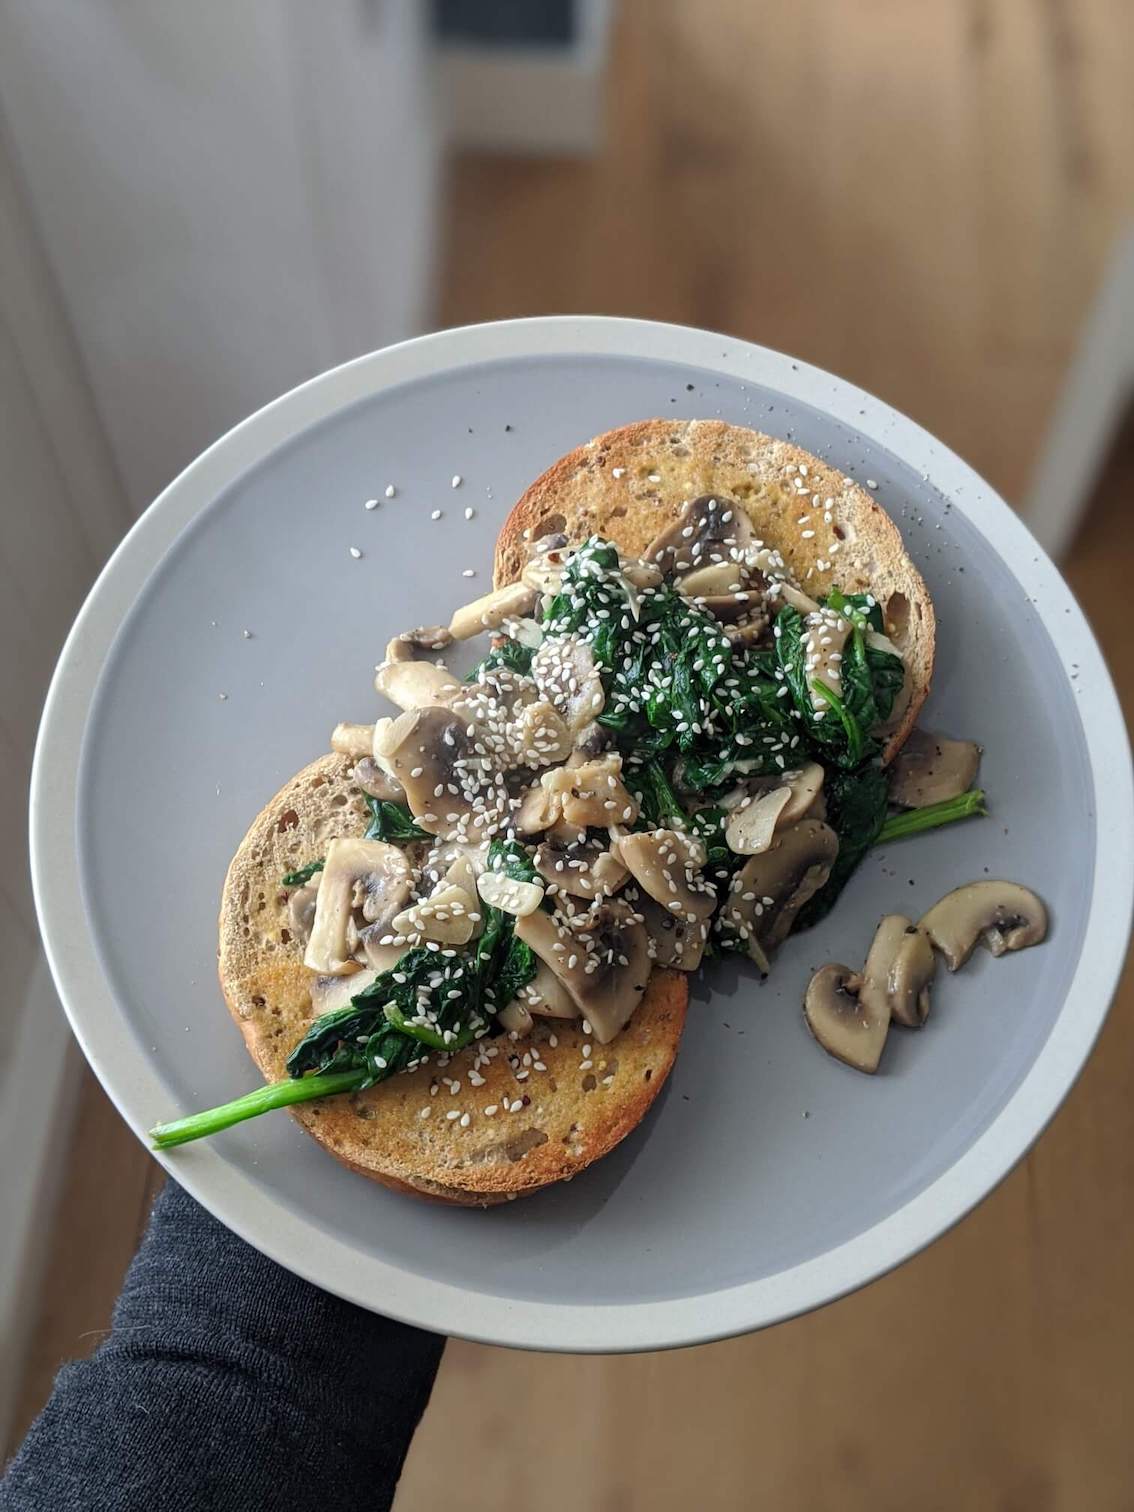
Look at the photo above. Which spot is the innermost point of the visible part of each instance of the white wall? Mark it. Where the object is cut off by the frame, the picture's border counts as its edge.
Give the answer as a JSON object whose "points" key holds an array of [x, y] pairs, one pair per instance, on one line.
{"points": [[232, 197]]}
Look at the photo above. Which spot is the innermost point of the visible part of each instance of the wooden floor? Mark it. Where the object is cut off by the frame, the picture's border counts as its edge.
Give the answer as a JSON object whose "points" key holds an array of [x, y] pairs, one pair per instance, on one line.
{"points": [[920, 197]]}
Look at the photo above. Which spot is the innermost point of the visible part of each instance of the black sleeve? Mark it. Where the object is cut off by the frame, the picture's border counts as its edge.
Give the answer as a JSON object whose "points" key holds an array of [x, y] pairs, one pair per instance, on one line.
{"points": [[227, 1383]]}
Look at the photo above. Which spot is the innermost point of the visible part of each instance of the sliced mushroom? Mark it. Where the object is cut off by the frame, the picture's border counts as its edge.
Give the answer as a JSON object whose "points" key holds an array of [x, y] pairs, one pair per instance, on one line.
{"points": [[516, 1018], [539, 736], [794, 596], [405, 647], [592, 740], [449, 916], [539, 809], [547, 557], [301, 908], [513, 601], [824, 637], [373, 952], [674, 941], [770, 888], [511, 895], [370, 777], [707, 530], [352, 739], [593, 793], [565, 673], [365, 874], [748, 631], [584, 869], [546, 997], [329, 993], [850, 1029], [1005, 915], [415, 684], [753, 822], [603, 961], [930, 768], [667, 865], [447, 788], [898, 972], [713, 581]]}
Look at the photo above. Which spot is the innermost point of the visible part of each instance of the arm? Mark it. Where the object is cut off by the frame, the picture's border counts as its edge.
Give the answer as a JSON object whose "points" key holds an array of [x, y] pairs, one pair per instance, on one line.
{"points": [[226, 1382]]}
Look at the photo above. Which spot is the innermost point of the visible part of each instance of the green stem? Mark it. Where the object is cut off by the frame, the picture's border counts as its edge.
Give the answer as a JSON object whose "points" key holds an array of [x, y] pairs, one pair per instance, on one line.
{"points": [[913, 821], [275, 1095], [846, 718]]}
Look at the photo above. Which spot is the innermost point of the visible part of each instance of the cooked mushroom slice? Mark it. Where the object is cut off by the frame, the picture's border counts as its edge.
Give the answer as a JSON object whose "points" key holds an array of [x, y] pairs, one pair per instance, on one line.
{"points": [[429, 752], [748, 631], [329, 993], [405, 647], [714, 581], [546, 997], [565, 673], [792, 595], [539, 735], [849, 1028], [1004, 914], [674, 941], [592, 740], [352, 739], [930, 768], [898, 972], [301, 908], [539, 809], [365, 874], [370, 777], [753, 822], [824, 637], [510, 894], [668, 865], [415, 684], [516, 1018], [449, 916], [604, 963], [546, 559], [771, 888], [592, 793], [513, 601], [584, 869], [707, 530]]}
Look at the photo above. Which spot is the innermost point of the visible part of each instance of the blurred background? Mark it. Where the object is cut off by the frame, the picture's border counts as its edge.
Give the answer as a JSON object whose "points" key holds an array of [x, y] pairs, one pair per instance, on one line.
{"points": [[203, 205]]}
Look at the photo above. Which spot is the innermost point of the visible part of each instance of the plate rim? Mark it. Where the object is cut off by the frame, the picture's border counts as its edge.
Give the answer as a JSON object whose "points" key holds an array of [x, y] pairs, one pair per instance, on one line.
{"points": [[297, 1241]]}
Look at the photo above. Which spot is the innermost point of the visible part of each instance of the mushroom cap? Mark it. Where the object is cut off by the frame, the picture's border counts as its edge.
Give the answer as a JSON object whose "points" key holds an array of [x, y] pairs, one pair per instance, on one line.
{"points": [[592, 793], [931, 768], [771, 888], [847, 1028], [674, 941], [546, 997], [898, 972], [1006, 915]]}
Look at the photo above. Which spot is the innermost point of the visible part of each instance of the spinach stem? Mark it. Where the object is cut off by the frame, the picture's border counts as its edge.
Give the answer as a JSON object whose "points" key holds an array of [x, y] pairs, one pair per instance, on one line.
{"points": [[279, 1094], [914, 821]]}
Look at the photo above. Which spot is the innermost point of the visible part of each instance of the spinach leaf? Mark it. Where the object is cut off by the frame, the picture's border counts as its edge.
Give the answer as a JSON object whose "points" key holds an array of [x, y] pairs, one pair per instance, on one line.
{"points": [[659, 804], [423, 1000], [506, 653], [856, 811], [390, 821], [303, 875], [503, 963]]}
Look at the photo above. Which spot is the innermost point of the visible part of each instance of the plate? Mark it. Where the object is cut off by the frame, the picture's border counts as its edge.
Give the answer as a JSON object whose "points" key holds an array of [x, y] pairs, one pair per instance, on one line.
{"points": [[768, 1179]]}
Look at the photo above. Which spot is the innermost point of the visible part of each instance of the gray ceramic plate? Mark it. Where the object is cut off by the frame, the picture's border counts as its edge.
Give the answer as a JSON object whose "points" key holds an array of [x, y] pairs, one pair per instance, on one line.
{"points": [[769, 1179]]}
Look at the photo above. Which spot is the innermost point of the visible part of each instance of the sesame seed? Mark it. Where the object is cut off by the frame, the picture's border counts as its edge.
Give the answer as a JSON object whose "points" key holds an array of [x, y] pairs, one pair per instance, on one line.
{"points": [[436, 515], [469, 513], [469, 572], [223, 697], [870, 483], [457, 480], [355, 553]]}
